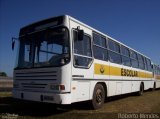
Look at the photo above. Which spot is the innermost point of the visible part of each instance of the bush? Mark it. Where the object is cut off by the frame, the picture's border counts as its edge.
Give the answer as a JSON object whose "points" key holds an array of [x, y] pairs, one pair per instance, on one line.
{"points": [[3, 74]]}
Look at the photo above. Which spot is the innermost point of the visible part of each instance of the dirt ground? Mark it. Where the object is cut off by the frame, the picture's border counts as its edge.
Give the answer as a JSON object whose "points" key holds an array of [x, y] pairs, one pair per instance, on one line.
{"points": [[122, 107]]}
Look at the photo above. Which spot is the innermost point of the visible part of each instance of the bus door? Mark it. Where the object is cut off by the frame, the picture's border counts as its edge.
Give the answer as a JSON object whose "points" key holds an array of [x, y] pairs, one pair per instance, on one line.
{"points": [[82, 61]]}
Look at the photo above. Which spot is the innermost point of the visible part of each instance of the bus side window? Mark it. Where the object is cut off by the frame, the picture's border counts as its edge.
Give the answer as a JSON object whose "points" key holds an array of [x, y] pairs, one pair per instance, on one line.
{"points": [[99, 47], [145, 63], [141, 61], [134, 59], [149, 65], [82, 50], [114, 52], [125, 56]]}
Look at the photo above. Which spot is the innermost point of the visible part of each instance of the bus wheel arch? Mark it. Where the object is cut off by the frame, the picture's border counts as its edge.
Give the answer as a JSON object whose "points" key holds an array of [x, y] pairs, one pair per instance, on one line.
{"points": [[99, 95]]}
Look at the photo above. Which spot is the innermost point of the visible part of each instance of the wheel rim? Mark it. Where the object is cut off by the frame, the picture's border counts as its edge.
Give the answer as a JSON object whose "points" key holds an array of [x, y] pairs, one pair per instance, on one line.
{"points": [[99, 96]]}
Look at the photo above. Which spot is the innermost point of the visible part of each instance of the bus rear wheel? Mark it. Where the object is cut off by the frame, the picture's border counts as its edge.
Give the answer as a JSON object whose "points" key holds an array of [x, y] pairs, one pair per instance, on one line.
{"points": [[154, 86], [98, 96], [141, 90]]}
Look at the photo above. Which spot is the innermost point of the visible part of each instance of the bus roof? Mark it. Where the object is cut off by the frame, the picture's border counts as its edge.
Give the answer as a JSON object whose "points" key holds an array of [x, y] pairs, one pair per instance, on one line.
{"points": [[104, 34]]}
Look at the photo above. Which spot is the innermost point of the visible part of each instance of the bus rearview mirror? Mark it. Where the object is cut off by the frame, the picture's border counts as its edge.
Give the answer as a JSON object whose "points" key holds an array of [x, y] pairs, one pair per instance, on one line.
{"points": [[13, 42], [80, 34]]}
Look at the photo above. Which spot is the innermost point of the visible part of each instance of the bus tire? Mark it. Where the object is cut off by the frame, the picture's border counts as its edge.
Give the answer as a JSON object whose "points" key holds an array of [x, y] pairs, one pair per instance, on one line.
{"points": [[141, 90], [98, 96], [154, 86]]}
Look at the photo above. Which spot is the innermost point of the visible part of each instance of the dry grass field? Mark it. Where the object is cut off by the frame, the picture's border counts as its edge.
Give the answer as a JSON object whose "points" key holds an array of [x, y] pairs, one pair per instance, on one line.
{"points": [[149, 103]]}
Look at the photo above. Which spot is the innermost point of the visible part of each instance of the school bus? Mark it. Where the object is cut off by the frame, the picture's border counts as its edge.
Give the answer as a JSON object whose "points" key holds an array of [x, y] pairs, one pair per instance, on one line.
{"points": [[62, 60]]}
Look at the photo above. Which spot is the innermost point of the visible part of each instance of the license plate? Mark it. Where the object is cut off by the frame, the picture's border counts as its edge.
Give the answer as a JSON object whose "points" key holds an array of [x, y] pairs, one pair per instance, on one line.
{"points": [[49, 98]]}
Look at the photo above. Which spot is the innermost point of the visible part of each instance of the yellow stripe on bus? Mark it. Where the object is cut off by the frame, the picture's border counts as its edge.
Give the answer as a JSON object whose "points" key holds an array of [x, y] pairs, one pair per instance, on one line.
{"points": [[115, 71], [157, 77], [101, 69], [149, 75]]}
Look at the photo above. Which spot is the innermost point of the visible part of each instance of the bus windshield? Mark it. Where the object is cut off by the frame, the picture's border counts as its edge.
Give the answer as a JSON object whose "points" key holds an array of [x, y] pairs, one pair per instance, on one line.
{"points": [[44, 48]]}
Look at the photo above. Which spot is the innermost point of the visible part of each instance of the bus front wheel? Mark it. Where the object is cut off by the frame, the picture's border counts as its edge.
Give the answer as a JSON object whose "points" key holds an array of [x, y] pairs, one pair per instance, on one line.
{"points": [[98, 96]]}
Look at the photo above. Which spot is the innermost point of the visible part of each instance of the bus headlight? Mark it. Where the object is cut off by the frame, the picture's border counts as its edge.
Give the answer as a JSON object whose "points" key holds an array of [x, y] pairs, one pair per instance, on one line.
{"points": [[57, 87]]}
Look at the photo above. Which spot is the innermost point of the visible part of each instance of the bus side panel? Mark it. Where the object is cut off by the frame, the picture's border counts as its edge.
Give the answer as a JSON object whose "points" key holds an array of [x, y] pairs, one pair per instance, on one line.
{"points": [[80, 90], [127, 87], [112, 88], [119, 87], [116, 83], [148, 84], [135, 86], [83, 90], [157, 83]]}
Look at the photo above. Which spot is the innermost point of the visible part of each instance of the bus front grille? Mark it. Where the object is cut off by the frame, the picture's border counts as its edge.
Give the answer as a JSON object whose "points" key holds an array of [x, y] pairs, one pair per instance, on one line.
{"points": [[36, 75], [33, 85]]}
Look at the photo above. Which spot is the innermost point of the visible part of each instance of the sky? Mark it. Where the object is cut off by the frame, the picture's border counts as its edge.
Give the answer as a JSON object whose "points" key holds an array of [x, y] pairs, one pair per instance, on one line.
{"points": [[135, 23]]}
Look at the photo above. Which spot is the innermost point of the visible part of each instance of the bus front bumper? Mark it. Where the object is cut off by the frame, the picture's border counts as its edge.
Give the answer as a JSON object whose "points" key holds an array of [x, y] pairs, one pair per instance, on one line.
{"points": [[56, 98]]}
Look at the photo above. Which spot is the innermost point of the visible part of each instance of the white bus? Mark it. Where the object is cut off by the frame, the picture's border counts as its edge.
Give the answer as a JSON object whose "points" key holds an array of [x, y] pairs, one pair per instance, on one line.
{"points": [[156, 69], [62, 60]]}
